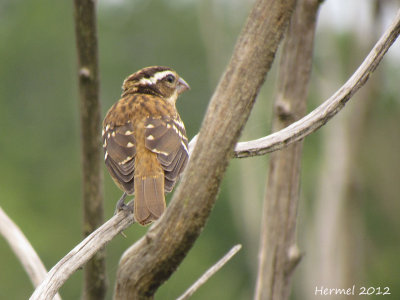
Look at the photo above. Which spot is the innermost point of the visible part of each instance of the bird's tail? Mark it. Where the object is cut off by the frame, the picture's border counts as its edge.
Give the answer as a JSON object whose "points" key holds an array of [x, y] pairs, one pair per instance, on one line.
{"points": [[149, 198]]}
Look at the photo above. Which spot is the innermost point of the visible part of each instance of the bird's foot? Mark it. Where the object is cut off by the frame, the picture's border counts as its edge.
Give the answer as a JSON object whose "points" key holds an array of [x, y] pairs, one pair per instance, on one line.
{"points": [[122, 206]]}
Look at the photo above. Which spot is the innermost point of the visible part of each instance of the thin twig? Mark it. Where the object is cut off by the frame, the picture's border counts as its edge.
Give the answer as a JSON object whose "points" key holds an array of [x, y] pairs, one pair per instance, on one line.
{"points": [[78, 256], [23, 250], [210, 272], [323, 113]]}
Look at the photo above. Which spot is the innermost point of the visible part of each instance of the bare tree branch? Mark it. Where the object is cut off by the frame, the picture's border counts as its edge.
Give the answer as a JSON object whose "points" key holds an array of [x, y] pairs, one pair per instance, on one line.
{"points": [[209, 273], [323, 113], [335, 222], [78, 256], [278, 253], [23, 250], [95, 281], [150, 261], [276, 141]]}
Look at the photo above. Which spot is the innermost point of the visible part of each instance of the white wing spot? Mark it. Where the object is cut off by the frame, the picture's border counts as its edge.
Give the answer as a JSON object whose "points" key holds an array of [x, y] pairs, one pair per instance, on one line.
{"points": [[107, 127], [128, 158], [159, 151], [105, 155], [113, 133], [128, 132], [150, 126], [130, 145], [180, 123], [150, 137], [178, 132], [102, 132], [185, 147]]}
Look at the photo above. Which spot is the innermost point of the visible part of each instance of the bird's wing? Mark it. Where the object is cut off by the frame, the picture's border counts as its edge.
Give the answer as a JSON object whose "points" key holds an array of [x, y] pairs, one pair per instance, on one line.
{"points": [[119, 154], [167, 137]]}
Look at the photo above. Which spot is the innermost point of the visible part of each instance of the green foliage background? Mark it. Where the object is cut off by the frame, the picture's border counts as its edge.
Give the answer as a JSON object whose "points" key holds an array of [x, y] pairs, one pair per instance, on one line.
{"points": [[40, 169]]}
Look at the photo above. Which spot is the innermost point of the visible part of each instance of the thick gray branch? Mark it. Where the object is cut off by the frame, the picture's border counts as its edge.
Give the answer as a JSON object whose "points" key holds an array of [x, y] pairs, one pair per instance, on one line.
{"points": [[278, 229], [149, 262]]}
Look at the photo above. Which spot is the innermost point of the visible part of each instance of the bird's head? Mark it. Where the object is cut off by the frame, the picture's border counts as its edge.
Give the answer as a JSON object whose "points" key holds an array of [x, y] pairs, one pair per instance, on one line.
{"points": [[156, 80]]}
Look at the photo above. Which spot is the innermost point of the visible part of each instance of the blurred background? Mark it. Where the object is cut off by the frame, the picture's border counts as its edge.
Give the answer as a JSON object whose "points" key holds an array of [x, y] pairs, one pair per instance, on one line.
{"points": [[348, 223]]}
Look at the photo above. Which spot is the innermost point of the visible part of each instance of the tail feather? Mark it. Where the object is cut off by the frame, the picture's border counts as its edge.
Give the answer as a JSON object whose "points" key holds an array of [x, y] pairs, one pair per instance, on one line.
{"points": [[149, 198], [141, 212]]}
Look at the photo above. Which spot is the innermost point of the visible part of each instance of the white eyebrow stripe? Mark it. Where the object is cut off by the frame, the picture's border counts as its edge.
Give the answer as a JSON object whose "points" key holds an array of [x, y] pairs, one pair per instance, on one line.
{"points": [[156, 77], [146, 81]]}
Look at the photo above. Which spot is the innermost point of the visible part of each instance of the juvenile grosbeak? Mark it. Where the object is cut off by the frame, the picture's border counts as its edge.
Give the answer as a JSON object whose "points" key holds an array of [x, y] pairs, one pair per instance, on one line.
{"points": [[144, 140]]}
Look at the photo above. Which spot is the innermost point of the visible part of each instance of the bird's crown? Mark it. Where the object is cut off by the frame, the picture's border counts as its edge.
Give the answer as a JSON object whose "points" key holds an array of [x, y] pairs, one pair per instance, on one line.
{"points": [[155, 80]]}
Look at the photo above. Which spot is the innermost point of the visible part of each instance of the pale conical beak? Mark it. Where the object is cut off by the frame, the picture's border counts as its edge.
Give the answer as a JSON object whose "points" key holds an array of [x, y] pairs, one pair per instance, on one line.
{"points": [[182, 86]]}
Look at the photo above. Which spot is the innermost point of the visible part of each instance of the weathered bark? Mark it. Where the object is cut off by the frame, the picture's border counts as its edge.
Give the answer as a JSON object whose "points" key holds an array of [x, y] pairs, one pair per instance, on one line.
{"points": [[92, 185], [150, 261], [335, 224], [278, 253], [24, 251], [273, 142], [81, 254]]}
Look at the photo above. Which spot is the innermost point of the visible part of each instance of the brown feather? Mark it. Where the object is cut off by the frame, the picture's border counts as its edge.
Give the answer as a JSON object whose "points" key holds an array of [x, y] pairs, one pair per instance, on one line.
{"points": [[144, 139], [154, 187], [119, 149], [168, 140], [172, 176], [165, 140], [141, 211], [149, 198]]}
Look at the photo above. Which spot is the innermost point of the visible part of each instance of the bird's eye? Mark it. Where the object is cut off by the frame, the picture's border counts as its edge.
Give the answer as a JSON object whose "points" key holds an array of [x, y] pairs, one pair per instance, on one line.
{"points": [[170, 78]]}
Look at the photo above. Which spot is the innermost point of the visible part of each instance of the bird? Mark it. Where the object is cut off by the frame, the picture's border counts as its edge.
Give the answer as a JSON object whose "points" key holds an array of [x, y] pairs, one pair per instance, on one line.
{"points": [[144, 140]]}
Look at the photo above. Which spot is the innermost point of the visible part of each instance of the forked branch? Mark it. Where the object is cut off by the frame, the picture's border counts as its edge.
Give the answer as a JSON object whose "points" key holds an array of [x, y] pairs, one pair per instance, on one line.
{"points": [[151, 260], [276, 141], [327, 110]]}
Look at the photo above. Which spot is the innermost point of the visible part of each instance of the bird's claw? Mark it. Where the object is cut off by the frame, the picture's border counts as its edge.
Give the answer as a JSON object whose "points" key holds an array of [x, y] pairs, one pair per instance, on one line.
{"points": [[122, 206]]}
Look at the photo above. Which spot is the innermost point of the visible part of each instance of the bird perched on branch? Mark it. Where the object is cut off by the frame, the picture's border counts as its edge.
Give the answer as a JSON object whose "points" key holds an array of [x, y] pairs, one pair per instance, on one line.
{"points": [[144, 140]]}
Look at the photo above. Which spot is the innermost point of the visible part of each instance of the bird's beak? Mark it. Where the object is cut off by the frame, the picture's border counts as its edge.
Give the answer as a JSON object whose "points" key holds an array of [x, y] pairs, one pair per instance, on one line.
{"points": [[182, 86]]}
